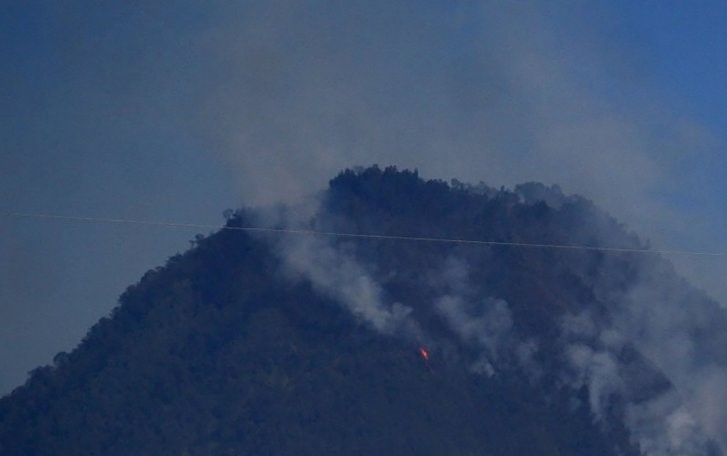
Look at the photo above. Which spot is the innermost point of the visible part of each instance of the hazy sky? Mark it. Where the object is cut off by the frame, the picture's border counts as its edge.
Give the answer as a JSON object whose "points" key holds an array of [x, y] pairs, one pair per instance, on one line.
{"points": [[133, 110]]}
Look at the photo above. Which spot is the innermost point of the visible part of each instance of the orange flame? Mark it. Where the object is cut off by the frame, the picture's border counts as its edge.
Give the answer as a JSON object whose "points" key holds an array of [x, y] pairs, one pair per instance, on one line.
{"points": [[424, 352]]}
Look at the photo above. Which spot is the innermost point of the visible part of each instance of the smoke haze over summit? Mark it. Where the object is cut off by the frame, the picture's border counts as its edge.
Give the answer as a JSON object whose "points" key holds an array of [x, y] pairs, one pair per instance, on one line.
{"points": [[142, 111]]}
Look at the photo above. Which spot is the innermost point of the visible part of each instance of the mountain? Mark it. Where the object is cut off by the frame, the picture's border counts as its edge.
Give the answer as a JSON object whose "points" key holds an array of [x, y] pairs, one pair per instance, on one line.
{"points": [[293, 343]]}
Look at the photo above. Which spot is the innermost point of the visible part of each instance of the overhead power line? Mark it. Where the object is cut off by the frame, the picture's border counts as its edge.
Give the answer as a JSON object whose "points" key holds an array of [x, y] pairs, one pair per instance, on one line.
{"points": [[107, 220]]}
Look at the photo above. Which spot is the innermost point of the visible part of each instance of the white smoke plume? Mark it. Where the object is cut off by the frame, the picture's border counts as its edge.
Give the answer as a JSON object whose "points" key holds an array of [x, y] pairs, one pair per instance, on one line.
{"points": [[676, 329], [592, 356], [338, 275], [665, 426], [669, 424], [488, 324], [483, 322], [599, 371], [683, 333]]}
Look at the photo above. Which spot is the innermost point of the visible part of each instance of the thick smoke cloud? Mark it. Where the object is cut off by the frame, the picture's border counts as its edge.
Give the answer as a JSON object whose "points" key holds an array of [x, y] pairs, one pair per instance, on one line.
{"points": [[686, 418], [679, 331], [665, 426], [683, 332]]}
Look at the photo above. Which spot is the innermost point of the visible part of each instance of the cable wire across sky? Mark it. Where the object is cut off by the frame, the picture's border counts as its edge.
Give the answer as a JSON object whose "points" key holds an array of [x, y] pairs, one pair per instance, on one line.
{"points": [[262, 229]]}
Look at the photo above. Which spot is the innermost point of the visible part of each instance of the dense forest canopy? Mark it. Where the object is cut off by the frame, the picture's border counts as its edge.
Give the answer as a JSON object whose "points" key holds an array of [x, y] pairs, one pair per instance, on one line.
{"points": [[272, 344]]}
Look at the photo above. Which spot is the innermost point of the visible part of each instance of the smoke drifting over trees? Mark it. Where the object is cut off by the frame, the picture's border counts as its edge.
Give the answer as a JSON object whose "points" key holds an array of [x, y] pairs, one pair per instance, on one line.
{"points": [[300, 344]]}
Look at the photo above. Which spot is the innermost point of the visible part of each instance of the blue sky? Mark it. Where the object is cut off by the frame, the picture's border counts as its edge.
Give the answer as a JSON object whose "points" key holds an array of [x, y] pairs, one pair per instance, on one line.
{"points": [[686, 43], [147, 112]]}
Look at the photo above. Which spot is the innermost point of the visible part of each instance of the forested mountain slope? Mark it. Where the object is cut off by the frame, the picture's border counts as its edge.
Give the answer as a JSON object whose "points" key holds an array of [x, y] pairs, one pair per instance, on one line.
{"points": [[260, 343]]}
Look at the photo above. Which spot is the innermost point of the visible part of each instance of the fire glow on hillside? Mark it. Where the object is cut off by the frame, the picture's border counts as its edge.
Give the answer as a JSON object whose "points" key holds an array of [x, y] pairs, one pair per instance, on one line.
{"points": [[424, 352]]}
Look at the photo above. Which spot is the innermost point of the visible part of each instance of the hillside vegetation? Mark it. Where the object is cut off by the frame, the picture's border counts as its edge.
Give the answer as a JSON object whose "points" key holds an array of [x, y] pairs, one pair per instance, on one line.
{"points": [[288, 344]]}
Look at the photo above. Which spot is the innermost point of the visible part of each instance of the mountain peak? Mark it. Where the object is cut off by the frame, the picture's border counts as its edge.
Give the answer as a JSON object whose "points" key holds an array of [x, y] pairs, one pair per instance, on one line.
{"points": [[297, 343]]}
